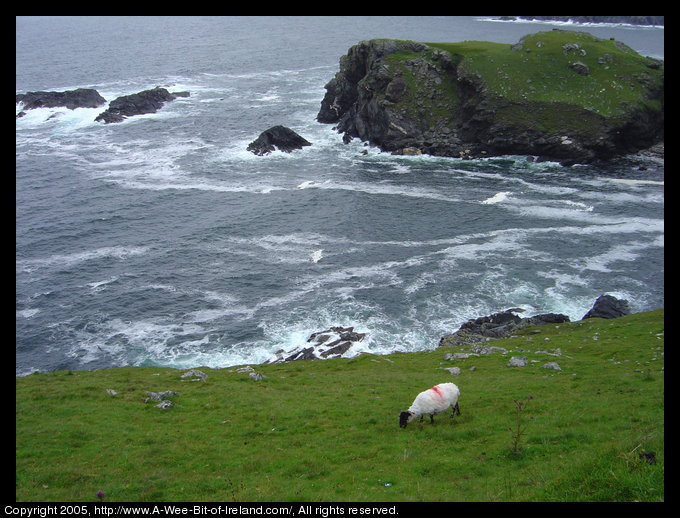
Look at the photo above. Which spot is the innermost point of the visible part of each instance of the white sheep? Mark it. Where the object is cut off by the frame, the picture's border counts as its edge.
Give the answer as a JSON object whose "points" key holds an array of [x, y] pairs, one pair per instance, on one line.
{"points": [[432, 401]]}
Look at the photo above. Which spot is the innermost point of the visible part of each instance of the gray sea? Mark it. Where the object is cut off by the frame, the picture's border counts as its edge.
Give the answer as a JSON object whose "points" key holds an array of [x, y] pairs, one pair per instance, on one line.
{"points": [[162, 241]]}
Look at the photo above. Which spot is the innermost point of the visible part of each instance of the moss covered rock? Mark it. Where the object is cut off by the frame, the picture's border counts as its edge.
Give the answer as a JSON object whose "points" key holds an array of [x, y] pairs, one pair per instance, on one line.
{"points": [[561, 95]]}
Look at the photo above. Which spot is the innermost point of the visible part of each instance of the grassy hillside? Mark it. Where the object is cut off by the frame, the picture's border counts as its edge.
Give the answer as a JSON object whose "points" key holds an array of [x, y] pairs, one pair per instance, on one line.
{"points": [[328, 430]]}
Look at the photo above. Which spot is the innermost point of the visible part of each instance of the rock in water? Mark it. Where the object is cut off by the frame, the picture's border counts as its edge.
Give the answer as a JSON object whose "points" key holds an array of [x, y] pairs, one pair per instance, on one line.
{"points": [[333, 342], [71, 99], [148, 101], [281, 137]]}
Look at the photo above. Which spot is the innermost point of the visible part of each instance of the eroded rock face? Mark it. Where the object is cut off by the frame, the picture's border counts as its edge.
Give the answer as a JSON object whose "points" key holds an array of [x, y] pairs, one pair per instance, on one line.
{"points": [[404, 95], [277, 137]]}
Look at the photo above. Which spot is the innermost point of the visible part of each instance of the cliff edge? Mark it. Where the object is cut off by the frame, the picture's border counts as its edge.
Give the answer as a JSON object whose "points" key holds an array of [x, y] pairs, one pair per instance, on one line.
{"points": [[562, 95]]}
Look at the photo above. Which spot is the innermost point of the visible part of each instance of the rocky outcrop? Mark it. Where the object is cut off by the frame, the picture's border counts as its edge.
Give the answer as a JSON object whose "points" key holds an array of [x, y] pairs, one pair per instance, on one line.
{"points": [[561, 95], [333, 342], [71, 99], [505, 323], [281, 137], [147, 101], [496, 326], [608, 306]]}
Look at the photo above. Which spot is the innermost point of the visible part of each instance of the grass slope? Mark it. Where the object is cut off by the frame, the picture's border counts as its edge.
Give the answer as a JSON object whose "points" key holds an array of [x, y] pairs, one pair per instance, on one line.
{"points": [[328, 430]]}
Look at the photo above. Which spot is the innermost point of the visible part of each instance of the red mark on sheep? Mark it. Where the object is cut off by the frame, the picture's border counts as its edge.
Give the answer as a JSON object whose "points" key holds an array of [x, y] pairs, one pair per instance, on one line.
{"points": [[437, 391]]}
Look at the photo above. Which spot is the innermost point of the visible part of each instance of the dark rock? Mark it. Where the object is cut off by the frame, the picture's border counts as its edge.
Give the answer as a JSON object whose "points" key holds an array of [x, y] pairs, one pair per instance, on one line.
{"points": [[338, 350], [329, 343], [281, 137], [305, 354], [496, 326], [71, 99], [580, 68], [148, 101], [607, 306]]}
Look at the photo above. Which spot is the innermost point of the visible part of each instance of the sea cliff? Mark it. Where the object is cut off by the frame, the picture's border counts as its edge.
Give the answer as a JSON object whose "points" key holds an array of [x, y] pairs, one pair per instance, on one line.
{"points": [[560, 95]]}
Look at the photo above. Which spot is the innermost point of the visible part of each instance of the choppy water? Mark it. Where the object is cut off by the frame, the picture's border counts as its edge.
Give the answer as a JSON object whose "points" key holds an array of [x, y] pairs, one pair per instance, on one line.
{"points": [[162, 241]]}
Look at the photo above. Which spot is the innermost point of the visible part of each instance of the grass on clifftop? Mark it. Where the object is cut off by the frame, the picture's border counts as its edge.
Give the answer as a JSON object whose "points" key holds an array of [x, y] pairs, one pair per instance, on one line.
{"points": [[537, 69], [328, 430]]}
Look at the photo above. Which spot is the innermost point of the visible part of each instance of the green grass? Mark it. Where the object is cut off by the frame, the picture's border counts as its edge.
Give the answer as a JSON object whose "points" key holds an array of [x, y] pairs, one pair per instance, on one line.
{"points": [[328, 430], [538, 70]]}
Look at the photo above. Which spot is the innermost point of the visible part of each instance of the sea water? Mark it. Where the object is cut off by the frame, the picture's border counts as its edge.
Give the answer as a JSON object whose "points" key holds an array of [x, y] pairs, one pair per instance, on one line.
{"points": [[162, 241]]}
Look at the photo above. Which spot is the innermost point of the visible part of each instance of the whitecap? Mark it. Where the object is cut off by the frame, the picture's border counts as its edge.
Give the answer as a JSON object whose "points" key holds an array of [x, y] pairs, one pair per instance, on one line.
{"points": [[97, 285], [316, 255], [27, 313], [627, 181], [497, 198], [69, 260]]}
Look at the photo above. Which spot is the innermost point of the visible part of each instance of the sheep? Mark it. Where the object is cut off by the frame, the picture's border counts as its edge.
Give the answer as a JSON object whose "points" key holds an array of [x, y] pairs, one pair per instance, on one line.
{"points": [[432, 401]]}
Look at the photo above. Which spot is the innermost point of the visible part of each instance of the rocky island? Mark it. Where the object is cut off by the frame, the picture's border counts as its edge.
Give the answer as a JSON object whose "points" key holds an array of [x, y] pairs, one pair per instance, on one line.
{"points": [[560, 95]]}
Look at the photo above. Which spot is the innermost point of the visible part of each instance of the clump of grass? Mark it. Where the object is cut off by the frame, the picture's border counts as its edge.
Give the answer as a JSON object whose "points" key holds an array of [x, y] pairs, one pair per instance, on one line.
{"points": [[519, 428]]}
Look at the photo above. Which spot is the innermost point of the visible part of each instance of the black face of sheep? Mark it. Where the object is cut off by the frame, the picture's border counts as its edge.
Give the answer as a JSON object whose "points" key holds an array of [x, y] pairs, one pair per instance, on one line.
{"points": [[404, 418]]}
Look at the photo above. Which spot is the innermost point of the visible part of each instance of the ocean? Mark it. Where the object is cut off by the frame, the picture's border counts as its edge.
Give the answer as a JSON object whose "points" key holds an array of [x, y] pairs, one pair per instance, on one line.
{"points": [[162, 241]]}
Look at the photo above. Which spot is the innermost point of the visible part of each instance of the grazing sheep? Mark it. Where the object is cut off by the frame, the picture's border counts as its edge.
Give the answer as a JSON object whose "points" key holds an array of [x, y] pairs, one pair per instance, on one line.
{"points": [[432, 401]]}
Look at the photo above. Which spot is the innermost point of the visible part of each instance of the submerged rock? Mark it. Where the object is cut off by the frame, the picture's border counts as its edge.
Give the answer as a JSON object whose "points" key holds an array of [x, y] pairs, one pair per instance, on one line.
{"points": [[281, 137]]}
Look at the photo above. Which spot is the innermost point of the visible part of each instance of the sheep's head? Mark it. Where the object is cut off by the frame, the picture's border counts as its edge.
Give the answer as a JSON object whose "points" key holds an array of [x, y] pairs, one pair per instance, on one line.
{"points": [[404, 418]]}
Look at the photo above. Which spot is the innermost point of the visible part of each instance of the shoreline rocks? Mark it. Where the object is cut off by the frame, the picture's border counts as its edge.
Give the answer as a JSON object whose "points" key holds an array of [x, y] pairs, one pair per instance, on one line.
{"points": [[329, 343], [496, 326], [503, 324]]}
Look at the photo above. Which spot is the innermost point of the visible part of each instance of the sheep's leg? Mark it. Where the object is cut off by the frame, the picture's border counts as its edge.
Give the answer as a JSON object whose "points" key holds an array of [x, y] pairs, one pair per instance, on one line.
{"points": [[431, 418], [454, 410]]}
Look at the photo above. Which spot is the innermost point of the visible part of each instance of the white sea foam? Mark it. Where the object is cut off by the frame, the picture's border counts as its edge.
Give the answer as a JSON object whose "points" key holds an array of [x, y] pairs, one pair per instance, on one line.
{"points": [[99, 285], [497, 198], [71, 260], [627, 181], [316, 255], [27, 313], [571, 23]]}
